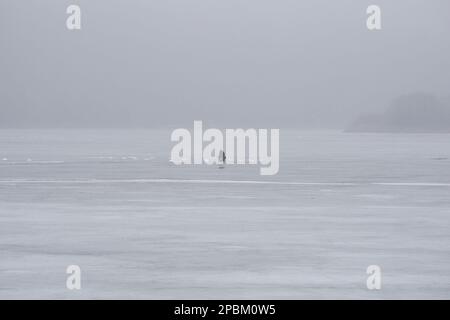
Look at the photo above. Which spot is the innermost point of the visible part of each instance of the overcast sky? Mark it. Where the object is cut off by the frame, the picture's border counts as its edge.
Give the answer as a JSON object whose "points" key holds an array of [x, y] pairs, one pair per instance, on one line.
{"points": [[253, 63]]}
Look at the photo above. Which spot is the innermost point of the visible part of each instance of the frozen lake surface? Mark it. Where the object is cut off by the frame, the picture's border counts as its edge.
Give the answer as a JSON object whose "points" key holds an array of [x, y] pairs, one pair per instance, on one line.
{"points": [[139, 227]]}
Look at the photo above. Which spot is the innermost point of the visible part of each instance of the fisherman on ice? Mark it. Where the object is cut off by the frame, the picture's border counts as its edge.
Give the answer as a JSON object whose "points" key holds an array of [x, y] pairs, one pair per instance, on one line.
{"points": [[222, 159]]}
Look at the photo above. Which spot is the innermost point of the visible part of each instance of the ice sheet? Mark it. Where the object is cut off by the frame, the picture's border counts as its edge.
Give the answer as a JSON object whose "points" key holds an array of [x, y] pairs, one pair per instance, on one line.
{"points": [[140, 227]]}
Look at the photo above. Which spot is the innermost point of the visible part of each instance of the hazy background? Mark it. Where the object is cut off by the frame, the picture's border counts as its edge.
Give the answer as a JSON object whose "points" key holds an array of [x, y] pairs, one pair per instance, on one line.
{"points": [[139, 226], [277, 63]]}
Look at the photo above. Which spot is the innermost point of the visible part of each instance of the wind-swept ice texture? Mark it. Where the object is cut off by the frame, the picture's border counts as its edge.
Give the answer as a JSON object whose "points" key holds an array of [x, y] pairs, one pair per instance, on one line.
{"points": [[140, 227]]}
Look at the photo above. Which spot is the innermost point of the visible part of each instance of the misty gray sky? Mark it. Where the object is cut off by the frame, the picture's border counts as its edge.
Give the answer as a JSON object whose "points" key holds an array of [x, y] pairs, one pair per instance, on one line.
{"points": [[276, 63]]}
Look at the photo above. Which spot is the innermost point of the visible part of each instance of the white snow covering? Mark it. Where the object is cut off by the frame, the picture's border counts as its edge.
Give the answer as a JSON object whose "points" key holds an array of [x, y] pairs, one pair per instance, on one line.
{"points": [[150, 229]]}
